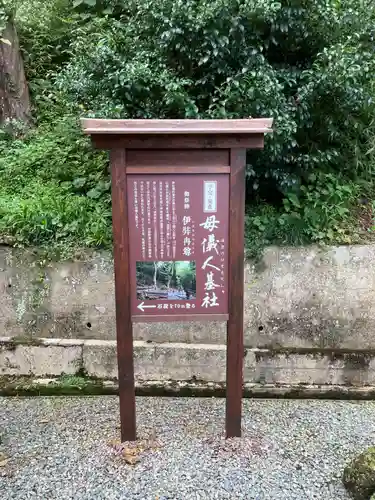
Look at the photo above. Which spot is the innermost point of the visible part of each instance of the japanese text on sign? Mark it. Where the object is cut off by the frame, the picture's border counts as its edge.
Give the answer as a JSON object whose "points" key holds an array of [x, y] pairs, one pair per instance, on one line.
{"points": [[178, 251]]}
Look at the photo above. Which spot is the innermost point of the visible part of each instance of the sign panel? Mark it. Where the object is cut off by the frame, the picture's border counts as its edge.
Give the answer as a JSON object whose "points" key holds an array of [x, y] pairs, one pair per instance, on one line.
{"points": [[178, 227]]}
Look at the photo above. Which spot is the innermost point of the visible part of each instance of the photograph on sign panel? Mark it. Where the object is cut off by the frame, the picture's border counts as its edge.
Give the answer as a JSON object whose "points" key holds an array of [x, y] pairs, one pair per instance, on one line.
{"points": [[168, 280]]}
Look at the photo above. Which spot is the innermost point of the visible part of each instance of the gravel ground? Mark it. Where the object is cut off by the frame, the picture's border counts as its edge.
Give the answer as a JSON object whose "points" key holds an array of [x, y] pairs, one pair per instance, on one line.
{"points": [[59, 448]]}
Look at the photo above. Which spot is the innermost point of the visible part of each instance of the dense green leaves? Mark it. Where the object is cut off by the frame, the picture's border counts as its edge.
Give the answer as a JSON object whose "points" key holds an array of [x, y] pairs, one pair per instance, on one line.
{"points": [[294, 61], [309, 64], [5, 10], [46, 193]]}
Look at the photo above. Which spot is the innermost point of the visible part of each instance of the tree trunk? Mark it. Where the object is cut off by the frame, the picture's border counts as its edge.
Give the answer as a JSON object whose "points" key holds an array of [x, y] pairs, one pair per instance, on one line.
{"points": [[155, 273], [174, 277], [14, 93]]}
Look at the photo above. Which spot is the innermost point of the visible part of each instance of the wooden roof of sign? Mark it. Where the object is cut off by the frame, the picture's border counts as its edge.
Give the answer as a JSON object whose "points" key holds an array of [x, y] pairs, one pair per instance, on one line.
{"points": [[150, 127], [177, 134]]}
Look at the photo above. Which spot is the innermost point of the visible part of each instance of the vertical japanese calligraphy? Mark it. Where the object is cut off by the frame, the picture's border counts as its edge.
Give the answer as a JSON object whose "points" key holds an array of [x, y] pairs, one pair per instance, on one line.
{"points": [[178, 244], [210, 247]]}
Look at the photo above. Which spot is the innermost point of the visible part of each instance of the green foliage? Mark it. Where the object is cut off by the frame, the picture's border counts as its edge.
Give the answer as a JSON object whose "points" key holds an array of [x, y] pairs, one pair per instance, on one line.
{"points": [[266, 225], [323, 209], [225, 59], [60, 152], [308, 64], [5, 13], [54, 189], [48, 217], [45, 30], [91, 8]]}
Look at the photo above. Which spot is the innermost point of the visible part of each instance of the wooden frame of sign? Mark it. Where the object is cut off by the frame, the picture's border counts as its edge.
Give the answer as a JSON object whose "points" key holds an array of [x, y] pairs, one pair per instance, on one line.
{"points": [[178, 204]]}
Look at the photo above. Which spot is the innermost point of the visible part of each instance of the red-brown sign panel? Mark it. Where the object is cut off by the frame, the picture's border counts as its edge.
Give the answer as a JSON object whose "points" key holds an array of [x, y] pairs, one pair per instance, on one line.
{"points": [[178, 227]]}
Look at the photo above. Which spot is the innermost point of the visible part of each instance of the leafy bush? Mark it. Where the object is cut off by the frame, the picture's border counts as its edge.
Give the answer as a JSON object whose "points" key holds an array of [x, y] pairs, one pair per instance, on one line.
{"points": [[228, 58], [308, 64], [323, 208], [45, 32], [54, 189], [60, 152], [322, 212], [47, 216]]}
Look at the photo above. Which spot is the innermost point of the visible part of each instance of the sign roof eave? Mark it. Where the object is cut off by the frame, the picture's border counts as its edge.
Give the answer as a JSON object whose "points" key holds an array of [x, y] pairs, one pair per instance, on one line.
{"points": [[177, 127]]}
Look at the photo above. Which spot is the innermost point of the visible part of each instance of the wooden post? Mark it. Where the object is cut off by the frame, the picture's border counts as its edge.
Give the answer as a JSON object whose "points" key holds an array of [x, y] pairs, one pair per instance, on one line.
{"points": [[236, 291], [124, 326]]}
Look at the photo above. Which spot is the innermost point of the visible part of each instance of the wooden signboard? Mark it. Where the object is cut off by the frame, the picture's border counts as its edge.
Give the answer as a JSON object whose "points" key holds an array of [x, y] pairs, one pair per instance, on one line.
{"points": [[178, 203], [179, 246]]}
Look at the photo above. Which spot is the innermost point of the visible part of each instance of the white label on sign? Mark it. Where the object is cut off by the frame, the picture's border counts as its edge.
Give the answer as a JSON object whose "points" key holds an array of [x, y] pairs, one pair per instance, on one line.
{"points": [[210, 196]]}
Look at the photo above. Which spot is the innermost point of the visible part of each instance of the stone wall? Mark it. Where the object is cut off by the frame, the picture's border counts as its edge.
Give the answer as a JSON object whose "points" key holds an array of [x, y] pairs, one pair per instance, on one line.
{"points": [[309, 315]]}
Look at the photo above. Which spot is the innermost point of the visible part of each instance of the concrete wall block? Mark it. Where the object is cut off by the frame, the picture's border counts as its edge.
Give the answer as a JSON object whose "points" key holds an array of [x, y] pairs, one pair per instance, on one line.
{"points": [[312, 297], [320, 369], [99, 359], [25, 360], [190, 333], [179, 361], [161, 361], [157, 362], [82, 298], [295, 297], [185, 362]]}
